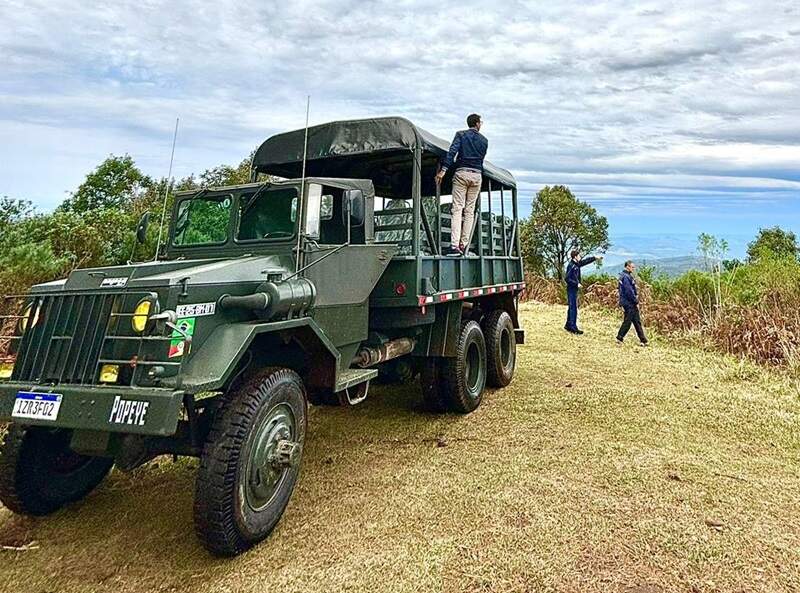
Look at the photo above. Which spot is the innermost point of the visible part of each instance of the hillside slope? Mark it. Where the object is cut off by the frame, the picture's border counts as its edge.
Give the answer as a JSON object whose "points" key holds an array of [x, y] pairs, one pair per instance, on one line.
{"points": [[601, 468], [668, 266]]}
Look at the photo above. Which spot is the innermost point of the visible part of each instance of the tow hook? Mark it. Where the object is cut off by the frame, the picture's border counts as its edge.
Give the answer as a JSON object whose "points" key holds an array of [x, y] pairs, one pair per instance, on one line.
{"points": [[285, 454]]}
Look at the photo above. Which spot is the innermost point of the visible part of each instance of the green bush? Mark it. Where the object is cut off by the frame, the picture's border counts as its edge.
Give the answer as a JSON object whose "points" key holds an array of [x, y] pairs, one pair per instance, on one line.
{"points": [[775, 278], [596, 278], [662, 287], [696, 288], [26, 264]]}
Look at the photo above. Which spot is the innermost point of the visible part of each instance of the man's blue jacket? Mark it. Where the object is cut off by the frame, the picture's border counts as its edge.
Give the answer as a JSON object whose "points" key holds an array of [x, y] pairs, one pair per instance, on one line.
{"points": [[470, 147], [628, 295], [573, 276]]}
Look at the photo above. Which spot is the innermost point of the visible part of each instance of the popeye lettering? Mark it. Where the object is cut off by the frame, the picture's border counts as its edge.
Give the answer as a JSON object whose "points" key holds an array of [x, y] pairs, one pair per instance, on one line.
{"points": [[127, 411]]}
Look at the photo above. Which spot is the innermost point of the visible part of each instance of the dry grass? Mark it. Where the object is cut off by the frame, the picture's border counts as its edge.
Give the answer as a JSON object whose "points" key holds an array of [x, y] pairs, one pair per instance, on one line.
{"points": [[767, 332], [543, 290], [601, 468]]}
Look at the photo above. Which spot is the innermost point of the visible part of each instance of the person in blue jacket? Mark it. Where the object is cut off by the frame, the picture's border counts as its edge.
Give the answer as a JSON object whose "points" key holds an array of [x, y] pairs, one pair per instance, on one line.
{"points": [[465, 157], [573, 280], [629, 301]]}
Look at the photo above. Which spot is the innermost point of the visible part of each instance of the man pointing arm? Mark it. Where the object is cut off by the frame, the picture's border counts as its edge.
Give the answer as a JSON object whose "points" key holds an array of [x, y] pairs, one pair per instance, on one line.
{"points": [[573, 280]]}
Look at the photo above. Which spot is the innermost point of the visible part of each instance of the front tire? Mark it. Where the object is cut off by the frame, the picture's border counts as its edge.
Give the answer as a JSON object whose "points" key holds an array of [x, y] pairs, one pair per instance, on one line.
{"points": [[39, 473], [456, 384], [501, 348], [251, 462]]}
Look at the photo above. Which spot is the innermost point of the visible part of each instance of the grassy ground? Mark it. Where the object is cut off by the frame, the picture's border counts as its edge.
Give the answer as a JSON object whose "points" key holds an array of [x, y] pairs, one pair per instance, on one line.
{"points": [[601, 468]]}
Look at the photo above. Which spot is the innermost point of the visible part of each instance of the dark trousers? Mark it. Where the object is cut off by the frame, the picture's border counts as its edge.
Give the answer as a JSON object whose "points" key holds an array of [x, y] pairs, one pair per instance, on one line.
{"points": [[632, 316], [572, 310]]}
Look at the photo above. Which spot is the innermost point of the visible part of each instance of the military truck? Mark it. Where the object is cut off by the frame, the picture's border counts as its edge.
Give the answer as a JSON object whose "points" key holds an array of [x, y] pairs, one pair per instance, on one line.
{"points": [[299, 287]]}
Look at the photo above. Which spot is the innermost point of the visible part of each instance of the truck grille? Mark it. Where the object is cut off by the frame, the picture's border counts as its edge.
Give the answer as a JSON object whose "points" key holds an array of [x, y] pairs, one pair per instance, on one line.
{"points": [[66, 336]]}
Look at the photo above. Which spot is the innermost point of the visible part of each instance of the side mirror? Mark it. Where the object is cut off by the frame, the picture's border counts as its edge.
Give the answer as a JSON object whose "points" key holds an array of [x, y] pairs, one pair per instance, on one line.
{"points": [[141, 228], [354, 199]]}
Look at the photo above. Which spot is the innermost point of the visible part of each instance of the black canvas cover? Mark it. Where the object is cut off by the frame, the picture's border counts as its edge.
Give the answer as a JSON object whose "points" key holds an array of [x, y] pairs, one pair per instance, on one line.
{"points": [[380, 149]]}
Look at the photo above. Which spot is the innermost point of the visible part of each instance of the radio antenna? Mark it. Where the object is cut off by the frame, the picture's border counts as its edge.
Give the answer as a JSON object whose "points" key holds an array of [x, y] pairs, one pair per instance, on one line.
{"points": [[302, 186], [166, 188]]}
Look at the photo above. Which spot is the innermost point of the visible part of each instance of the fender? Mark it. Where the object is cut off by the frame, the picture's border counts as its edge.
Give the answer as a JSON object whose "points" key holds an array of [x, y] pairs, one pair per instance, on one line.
{"points": [[210, 368]]}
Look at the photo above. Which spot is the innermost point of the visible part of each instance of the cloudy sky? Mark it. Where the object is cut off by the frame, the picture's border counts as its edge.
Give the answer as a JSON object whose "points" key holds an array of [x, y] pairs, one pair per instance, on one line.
{"points": [[671, 117]]}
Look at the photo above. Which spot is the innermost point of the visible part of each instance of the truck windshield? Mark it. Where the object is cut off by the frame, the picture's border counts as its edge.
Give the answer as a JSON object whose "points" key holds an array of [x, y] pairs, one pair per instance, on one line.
{"points": [[203, 220], [268, 214]]}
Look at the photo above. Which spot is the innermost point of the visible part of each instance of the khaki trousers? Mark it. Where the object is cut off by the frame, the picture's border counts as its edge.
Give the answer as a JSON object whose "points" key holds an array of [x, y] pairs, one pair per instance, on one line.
{"points": [[466, 187]]}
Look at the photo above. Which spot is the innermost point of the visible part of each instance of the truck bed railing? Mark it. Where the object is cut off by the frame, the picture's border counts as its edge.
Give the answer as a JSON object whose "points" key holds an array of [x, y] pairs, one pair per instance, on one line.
{"points": [[395, 226]]}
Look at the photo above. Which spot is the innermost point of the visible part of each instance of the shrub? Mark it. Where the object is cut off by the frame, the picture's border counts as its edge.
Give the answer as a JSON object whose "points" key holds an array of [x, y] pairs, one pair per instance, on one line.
{"points": [[695, 289], [768, 332], [768, 278], [23, 265]]}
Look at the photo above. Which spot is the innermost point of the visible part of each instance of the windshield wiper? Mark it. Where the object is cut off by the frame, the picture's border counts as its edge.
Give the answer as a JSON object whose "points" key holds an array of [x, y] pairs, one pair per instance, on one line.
{"points": [[252, 199]]}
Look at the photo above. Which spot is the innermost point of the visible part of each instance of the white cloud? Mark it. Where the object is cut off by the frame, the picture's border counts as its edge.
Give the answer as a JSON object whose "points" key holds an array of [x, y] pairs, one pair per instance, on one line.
{"points": [[691, 99]]}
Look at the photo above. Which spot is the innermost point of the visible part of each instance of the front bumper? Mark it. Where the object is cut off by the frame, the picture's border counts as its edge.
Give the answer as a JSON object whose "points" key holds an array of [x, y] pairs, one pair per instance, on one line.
{"points": [[134, 410]]}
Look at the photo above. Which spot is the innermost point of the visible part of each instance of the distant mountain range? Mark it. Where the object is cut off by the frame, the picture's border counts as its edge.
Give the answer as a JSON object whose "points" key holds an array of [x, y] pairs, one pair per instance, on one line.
{"points": [[670, 266], [671, 253]]}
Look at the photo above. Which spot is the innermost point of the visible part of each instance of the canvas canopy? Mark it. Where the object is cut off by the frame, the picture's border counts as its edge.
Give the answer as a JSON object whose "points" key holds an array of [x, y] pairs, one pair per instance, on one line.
{"points": [[379, 149]]}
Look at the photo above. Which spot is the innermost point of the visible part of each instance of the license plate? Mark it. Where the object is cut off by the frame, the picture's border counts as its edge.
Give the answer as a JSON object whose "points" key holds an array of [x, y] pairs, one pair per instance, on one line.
{"points": [[37, 406]]}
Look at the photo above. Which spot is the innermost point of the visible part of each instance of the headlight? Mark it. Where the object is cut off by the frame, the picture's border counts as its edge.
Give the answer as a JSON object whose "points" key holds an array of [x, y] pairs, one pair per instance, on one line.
{"points": [[6, 370], [109, 373], [141, 315]]}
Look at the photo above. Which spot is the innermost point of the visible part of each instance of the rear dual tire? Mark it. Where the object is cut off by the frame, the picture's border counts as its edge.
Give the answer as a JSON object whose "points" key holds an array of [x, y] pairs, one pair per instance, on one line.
{"points": [[455, 384], [501, 348]]}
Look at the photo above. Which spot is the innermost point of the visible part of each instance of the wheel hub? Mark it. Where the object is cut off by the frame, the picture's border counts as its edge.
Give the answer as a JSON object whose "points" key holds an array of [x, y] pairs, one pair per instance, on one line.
{"points": [[273, 451], [286, 454]]}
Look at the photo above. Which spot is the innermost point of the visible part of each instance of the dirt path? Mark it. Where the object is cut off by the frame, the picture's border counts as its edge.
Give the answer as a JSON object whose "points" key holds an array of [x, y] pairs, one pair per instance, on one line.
{"points": [[602, 468]]}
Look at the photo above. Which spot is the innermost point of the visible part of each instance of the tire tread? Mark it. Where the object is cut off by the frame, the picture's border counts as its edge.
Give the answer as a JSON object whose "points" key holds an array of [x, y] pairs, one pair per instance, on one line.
{"points": [[492, 329], [215, 523]]}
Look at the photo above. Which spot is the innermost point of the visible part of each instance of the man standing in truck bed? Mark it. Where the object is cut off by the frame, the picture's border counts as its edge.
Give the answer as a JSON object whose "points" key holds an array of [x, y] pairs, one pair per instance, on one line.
{"points": [[467, 152]]}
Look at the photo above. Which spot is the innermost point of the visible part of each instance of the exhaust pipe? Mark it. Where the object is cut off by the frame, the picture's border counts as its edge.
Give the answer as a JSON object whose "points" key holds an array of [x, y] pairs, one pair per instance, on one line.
{"points": [[369, 356]]}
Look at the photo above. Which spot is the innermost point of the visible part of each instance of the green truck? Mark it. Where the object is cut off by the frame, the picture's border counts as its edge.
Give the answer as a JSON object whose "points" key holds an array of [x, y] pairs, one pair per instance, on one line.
{"points": [[322, 275]]}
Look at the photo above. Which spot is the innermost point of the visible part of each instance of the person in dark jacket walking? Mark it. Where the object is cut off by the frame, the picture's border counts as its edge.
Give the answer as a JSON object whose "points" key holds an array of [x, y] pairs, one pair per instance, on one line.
{"points": [[573, 280], [629, 301], [466, 154]]}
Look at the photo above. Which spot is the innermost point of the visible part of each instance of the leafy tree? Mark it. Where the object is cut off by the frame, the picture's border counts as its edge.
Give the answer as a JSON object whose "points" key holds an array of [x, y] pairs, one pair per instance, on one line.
{"points": [[12, 211], [26, 264], [95, 226], [203, 221], [531, 253], [104, 238], [219, 176], [559, 223], [115, 183], [731, 265], [713, 251], [773, 241]]}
